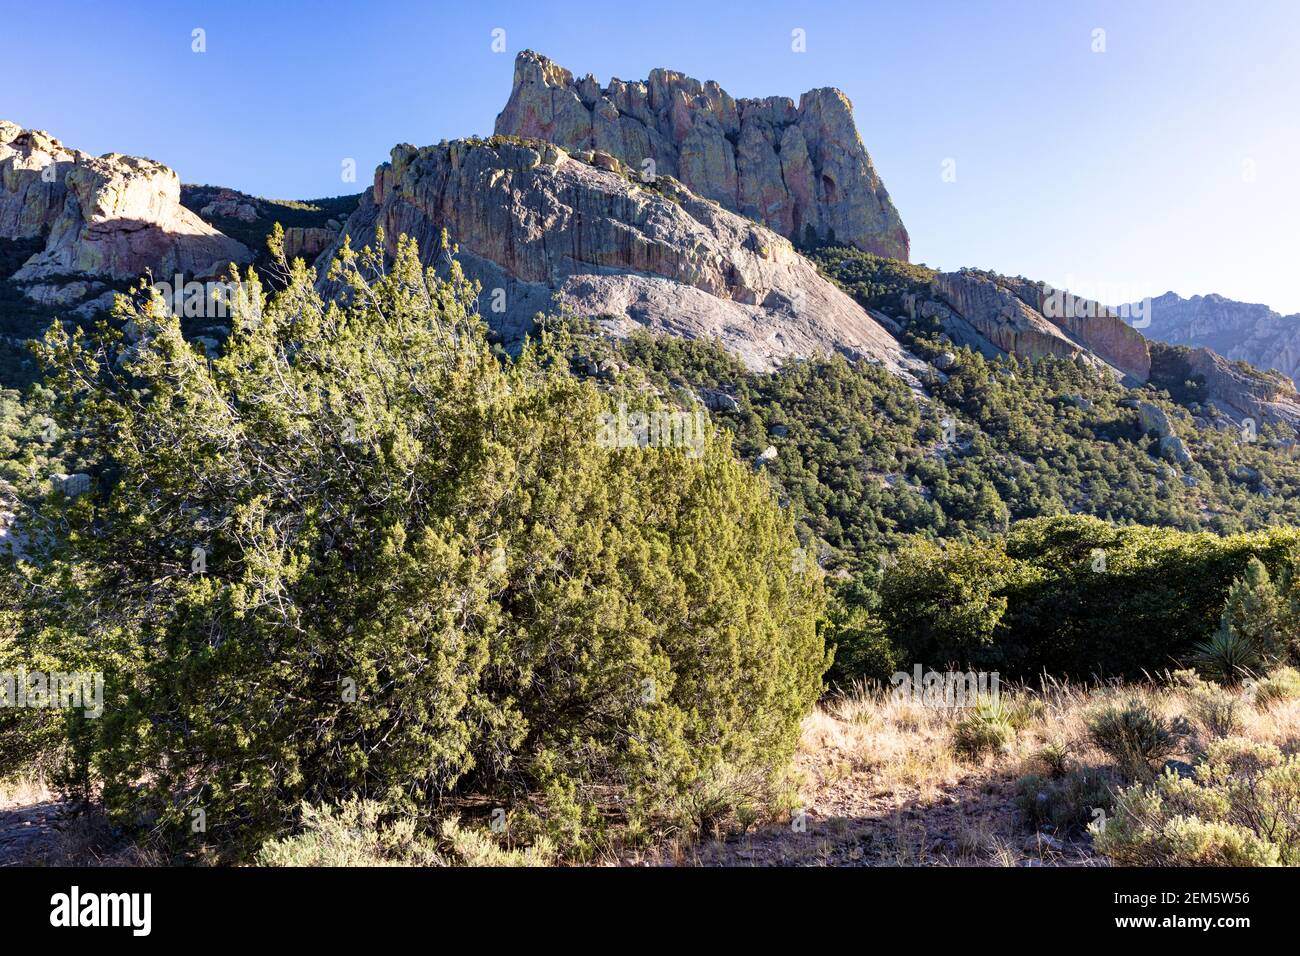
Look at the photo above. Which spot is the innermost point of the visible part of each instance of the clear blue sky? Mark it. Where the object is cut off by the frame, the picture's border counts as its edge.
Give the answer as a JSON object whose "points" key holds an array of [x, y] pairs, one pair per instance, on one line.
{"points": [[1170, 161]]}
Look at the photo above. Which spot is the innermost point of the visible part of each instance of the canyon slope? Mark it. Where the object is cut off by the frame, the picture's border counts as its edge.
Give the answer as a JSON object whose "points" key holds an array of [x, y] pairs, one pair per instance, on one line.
{"points": [[800, 170], [1244, 331]]}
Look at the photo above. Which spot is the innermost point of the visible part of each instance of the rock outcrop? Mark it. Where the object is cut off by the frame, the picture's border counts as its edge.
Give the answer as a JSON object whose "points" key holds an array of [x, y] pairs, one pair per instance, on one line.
{"points": [[1244, 392], [228, 204], [997, 314], [803, 171], [543, 230], [110, 217], [307, 242]]}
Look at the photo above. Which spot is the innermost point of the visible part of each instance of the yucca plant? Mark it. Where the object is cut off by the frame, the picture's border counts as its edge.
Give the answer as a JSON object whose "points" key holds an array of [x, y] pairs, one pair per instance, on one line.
{"points": [[1228, 656], [986, 729], [1054, 757]]}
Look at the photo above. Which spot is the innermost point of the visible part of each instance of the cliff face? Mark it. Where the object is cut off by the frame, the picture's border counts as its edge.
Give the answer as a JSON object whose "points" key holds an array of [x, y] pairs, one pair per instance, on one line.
{"points": [[550, 230], [1244, 392], [1022, 318], [111, 216], [802, 171]]}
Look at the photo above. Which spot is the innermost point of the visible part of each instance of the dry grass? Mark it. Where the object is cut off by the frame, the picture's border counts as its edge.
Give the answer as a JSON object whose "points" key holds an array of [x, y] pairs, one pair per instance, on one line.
{"points": [[883, 784], [25, 789], [877, 782]]}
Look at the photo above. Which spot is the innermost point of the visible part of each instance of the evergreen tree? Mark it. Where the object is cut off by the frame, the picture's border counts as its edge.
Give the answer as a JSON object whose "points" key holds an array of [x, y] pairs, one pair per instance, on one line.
{"points": [[357, 555], [1251, 612]]}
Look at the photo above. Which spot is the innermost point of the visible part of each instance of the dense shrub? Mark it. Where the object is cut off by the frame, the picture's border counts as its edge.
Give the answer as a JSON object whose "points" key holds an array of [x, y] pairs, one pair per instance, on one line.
{"points": [[365, 833], [1217, 710], [854, 633], [1133, 735], [418, 572], [1071, 595], [1282, 684], [1241, 809]]}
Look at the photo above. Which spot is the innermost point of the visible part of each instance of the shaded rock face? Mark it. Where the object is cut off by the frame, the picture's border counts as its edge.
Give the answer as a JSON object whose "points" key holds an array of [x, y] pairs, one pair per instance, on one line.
{"points": [[802, 171], [541, 229], [1244, 392], [1238, 330], [111, 217], [1001, 315], [307, 242]]}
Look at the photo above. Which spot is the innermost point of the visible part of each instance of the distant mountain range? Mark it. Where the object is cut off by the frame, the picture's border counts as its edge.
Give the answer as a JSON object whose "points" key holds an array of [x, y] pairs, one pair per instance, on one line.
{"points": [[1245, 331]]}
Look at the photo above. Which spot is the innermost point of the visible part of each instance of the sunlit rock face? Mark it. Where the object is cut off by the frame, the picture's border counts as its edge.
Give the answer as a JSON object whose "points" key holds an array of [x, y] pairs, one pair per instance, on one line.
{"points": [[800, 170], [543, 231], [110, 217]]}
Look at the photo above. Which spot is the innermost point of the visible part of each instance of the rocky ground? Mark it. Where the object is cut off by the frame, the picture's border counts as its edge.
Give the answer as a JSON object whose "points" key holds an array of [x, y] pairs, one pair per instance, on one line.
{"points": [[880, 784], [32, 821]]}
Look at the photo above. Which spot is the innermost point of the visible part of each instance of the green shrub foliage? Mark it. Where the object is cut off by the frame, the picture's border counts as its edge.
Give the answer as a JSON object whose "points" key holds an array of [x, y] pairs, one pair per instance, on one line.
{"points": [[356, 555], [1241, 809]]}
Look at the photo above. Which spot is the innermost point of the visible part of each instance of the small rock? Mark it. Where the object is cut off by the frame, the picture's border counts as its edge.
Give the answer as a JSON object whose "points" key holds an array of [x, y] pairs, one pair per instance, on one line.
{"points": [[944, 361], [71, 485], [1039, 841], [603, 160]]}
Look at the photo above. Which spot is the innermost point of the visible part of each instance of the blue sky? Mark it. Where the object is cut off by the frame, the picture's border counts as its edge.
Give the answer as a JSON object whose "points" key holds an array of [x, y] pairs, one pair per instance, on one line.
{"points": [[1169, 161]]}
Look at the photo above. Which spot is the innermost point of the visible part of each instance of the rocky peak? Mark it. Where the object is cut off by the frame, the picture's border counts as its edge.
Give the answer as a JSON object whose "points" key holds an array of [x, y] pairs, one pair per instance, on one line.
{"points": [[545, 230], [112, 217], [802, 171], [1244, 331]]}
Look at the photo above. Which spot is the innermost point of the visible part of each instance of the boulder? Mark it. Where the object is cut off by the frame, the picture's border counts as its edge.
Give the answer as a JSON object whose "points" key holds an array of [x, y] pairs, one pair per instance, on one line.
{"points": [[944, 361], [1153, 418], [71, 485], [101, 303], [1173, 449], [716, 400]]}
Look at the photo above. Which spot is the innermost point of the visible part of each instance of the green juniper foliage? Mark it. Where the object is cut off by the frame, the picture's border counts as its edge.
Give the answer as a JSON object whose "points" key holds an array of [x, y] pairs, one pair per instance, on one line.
{"points": [[356, 555]]}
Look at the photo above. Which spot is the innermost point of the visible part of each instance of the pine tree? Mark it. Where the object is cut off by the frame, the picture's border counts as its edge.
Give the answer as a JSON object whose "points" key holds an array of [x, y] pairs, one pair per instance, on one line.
{"points": [[1251, 614]]}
